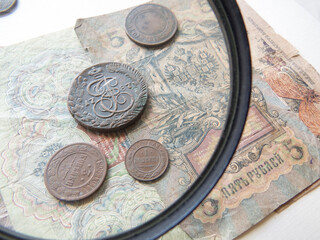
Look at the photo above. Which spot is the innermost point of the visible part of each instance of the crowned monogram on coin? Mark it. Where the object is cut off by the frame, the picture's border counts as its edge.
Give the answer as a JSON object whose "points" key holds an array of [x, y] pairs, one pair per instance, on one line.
{"points": [[75, 171], [151, 24], [146, 160], [107, 96]]}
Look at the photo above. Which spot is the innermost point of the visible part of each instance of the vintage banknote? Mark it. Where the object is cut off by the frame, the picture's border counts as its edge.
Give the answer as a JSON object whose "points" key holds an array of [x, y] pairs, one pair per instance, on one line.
{"points": [[287, 73], [278, 155], [36, 76], [287, 88], [181, 77], [35, 123]]}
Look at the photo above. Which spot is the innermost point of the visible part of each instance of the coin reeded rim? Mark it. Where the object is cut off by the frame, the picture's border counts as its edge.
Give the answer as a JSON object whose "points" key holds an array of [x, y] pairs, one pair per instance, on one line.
{"points": [[94, 189], [170, 36]]}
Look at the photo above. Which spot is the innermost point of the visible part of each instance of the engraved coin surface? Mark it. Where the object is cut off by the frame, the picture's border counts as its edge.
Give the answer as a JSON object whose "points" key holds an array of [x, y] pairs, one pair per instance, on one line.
{"points": [[76, 171], [151, 24], [6, 5], [107, 96], [146, 160]]}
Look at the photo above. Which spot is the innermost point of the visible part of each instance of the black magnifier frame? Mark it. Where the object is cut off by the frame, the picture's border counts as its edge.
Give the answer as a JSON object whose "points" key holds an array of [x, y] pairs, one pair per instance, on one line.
{"points": [[230, 19]]}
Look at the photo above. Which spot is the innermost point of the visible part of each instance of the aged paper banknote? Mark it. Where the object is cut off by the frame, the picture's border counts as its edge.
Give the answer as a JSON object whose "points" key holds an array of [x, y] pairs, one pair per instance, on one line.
{"points": [[35, 123], [278, 155], [181, 77], [36, 76]]}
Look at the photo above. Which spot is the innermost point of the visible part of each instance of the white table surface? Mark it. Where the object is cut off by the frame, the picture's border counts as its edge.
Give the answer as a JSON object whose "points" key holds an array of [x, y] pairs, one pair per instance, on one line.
{"points": [[298, 21]]}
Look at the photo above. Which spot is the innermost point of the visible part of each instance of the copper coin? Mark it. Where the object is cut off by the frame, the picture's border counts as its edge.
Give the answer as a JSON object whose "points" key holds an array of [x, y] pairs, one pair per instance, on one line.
{"points": [[146, 160], [107, 96], [151, 24], [75, 172], [6, 5]]}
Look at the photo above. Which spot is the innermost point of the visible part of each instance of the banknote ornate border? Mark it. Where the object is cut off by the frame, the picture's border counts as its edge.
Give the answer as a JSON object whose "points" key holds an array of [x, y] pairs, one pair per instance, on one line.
{"points": [[235, 34]]}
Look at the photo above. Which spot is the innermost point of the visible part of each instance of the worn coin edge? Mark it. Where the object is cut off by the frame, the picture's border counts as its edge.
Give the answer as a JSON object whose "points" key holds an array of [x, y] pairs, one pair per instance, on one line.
{"points": [[104, 174], [159, 42], [161, 173], [144, 98]]}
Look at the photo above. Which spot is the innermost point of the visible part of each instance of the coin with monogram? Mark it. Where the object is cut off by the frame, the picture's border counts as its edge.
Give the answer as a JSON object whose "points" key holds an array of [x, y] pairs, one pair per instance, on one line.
{"points": [[75, 171], [6, 5], [107, 96], [146, 160], [151, 24]]}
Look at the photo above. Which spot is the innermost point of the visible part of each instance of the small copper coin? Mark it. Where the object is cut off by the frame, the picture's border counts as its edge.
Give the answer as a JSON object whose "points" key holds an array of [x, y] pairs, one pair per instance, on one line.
{"points": [[146, 160], [107, 96], [76, 171], [151, 24], [6, 5]]}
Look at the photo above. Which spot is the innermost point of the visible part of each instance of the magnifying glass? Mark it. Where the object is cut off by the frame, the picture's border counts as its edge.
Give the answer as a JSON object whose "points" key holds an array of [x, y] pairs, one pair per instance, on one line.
{"points": [[199, 86]]}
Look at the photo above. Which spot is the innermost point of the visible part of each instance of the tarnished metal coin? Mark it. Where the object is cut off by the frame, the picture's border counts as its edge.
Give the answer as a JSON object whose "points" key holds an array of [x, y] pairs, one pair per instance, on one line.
{"points": [[151, 24], [146, 160], [107, 96], [6, 5], [75, 172]]}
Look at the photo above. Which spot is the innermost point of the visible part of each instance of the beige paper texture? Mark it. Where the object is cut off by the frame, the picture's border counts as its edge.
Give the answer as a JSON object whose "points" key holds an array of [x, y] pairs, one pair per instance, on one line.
{"points": [[277, 158]]}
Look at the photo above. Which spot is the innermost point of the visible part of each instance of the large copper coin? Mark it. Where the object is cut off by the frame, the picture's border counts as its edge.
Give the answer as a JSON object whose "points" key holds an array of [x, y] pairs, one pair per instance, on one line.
{"points": [[107, 96], [146, 160], [6, 5], [151, 24], [75, 171]]}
